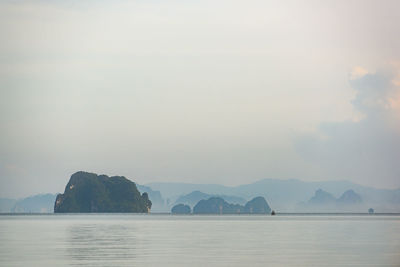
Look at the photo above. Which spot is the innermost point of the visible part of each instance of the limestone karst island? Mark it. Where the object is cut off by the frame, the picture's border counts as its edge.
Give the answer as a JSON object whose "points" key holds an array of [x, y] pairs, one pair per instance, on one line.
{"points": [[89, 192]]}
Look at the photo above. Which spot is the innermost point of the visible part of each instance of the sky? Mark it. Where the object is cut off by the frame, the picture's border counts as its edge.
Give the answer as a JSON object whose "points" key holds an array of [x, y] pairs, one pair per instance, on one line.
{"points": [[225, 92]]}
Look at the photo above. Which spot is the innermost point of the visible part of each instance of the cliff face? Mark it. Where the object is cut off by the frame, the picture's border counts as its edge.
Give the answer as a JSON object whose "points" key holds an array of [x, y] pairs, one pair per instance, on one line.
{"points": [[89, 192]]}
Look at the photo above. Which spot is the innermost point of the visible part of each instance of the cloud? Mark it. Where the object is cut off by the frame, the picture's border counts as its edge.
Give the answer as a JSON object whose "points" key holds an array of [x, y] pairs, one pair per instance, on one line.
{"points": [[376, 92], [358, 72], [368, 150]]}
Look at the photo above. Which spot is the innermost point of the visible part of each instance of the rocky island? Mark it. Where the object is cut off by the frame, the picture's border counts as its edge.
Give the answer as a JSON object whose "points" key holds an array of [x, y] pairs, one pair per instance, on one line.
{"points": [[194, 197], [217, 205], [257, 205], [181, 209], [89, 192]]}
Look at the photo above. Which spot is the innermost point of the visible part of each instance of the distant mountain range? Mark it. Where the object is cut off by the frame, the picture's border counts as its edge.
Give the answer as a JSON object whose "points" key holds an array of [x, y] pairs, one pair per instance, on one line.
{"points": [[289, 195], [322, 197], [43, 203], [323, 201], [350, 197]]}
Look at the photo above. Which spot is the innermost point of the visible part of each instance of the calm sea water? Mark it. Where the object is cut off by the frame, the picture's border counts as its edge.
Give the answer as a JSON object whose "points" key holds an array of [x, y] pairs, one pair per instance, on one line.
{"points": [[166, 240]]}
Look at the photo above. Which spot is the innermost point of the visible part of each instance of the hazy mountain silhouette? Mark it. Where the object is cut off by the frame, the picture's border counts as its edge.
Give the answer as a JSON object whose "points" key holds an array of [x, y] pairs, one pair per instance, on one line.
{"points": [[350, 197], [285, 195], [42, 203], [323, 201], [322, 197]]}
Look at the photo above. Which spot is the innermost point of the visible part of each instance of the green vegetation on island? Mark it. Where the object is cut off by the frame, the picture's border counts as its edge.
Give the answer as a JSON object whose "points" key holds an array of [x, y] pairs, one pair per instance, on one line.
{"points": [[89, 192]]}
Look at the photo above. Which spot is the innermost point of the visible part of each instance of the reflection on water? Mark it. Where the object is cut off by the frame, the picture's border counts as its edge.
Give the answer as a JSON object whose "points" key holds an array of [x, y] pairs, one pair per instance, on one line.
{"points": [[100, 242], [156, 240]]}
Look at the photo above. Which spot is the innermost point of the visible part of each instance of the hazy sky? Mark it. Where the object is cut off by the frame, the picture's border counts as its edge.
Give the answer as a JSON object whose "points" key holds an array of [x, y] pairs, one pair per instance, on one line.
{"points": [[199, 91]]}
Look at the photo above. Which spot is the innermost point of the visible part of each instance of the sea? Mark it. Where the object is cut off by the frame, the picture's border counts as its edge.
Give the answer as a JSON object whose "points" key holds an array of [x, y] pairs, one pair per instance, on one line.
{"points": [[197, 240]]}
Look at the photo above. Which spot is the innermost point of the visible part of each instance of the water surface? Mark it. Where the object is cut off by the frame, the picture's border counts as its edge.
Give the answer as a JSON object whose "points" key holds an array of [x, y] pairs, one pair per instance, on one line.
{"points": [[166, 240]]}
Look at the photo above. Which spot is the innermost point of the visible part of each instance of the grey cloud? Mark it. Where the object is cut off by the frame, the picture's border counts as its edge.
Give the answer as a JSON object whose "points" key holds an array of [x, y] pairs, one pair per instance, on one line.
{"points": [[368, 150]]}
